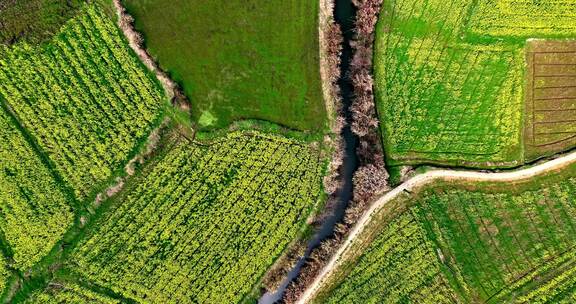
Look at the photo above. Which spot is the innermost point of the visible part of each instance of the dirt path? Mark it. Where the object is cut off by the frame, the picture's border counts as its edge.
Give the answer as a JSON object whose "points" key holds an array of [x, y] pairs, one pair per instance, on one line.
{"points": [[420, 180]]}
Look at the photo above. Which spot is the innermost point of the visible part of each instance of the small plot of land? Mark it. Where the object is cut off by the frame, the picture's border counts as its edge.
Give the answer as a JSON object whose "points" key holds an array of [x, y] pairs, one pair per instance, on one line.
{"points": [[449, 79], [84, 97], [202, 224], [440, 99], [484, 244], [239, 59], [64, 293], [34, 211], [34, 20], [400, 265], [551, 97]]}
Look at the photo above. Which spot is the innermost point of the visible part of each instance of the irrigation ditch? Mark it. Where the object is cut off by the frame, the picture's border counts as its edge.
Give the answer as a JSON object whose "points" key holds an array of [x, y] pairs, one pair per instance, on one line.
{"points": [[344, 16]]}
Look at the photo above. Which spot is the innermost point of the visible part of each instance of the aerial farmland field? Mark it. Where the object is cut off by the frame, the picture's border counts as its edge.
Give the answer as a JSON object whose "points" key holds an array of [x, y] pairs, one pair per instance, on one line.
{"points": [[84, 97], [464, 242], [203, 219], [205, 222], [453, 80], [297, 151], [57, 293]]}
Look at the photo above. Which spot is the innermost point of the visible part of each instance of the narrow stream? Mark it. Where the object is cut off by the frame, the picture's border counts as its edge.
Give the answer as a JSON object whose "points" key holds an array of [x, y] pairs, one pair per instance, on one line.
{"points": [[344, 14]]}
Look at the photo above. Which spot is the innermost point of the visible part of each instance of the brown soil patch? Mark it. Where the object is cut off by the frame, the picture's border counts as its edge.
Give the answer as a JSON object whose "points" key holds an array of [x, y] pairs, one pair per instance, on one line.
{"points": [[550, 97]]}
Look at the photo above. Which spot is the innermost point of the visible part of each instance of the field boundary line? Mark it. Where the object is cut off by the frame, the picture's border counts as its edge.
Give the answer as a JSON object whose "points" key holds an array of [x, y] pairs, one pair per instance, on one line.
{"points": [[421, 180]]}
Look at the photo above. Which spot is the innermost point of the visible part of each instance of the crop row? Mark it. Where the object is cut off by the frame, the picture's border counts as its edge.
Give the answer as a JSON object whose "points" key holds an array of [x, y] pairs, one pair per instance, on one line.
{"points": [[524, 18], [401, 265], [4, 272], [204, 223], [497, 239], [34, 212], [68, 293], [83, 96]]}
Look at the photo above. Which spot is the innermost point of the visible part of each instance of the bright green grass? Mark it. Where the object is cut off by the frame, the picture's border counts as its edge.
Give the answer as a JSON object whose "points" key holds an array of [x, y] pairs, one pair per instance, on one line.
{"points": [[490, 243], [202, 224], [239, 59], [84, 97], [449, 85], [64, 293]]}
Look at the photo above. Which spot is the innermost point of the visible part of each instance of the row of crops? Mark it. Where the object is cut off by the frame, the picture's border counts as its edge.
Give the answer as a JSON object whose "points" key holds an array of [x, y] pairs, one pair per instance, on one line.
{"points": [[68, 293], [84, 97], [203, 223], [4, 272], [34, 210], [400, 266], [492, 247]]}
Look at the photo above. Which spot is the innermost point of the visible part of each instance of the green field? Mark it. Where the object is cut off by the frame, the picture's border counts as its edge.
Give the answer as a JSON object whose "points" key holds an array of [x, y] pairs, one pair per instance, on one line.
{"points": [[400, 266], [239, 59], [84, 97], [488, 243], [450, 78], [34, 210], [64, 293], [203, 223]]}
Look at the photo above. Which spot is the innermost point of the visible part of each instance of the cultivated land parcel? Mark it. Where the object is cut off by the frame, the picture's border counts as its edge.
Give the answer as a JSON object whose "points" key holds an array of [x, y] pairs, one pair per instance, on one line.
{"points": [[457, 82], [198, 221], [466, 242]]}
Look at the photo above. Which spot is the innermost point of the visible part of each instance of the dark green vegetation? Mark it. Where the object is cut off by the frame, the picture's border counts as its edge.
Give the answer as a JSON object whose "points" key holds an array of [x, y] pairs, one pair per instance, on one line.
{"points": [[84, 97], [452, 242], [34, 20], [450, 77], [239, 59]]}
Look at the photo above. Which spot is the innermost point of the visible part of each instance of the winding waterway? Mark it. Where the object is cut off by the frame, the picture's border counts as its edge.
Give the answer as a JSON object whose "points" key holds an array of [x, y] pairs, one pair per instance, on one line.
{"points": [[344, 15]]}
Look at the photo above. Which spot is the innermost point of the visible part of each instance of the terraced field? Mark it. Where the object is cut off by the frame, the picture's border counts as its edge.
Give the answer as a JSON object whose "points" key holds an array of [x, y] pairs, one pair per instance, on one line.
{"points": [[459, 242], [84, 97], [203, 223], [450, 80]]}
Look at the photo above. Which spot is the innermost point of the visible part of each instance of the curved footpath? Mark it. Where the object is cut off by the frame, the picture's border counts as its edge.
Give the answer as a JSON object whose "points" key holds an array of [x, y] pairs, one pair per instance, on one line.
{"points": [[420, 180]]}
